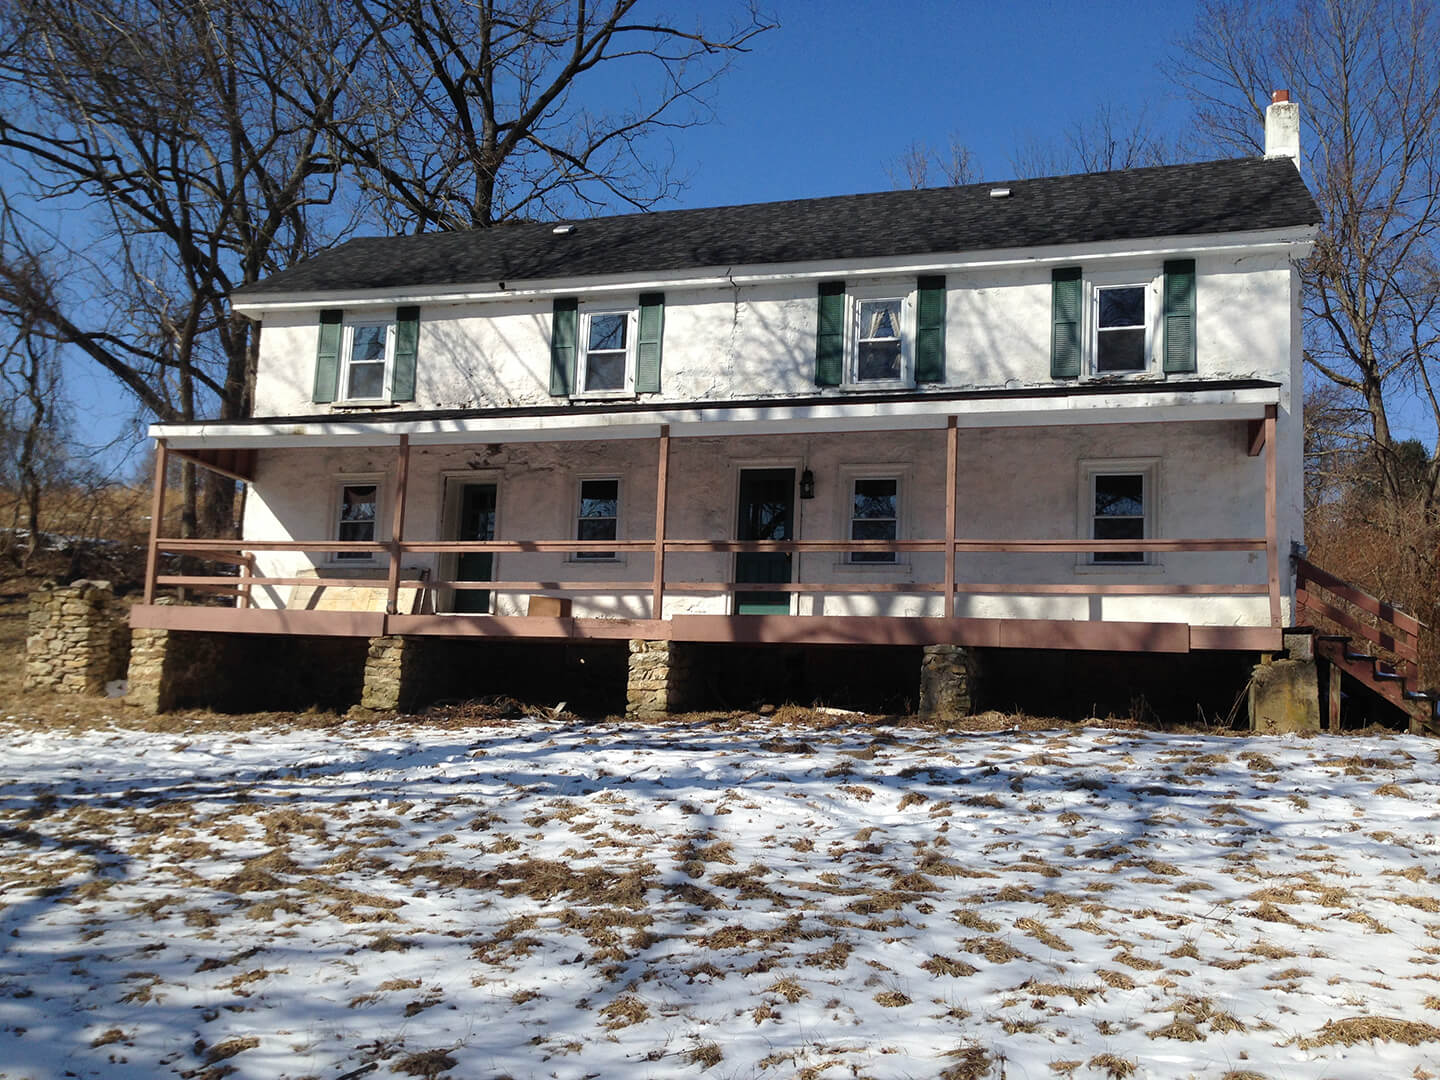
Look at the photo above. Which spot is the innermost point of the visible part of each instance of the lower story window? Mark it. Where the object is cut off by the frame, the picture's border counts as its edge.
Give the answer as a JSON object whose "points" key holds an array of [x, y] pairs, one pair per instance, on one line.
{"points": [[875, 515], [599, 517], [359, 504], [1118, 514]]}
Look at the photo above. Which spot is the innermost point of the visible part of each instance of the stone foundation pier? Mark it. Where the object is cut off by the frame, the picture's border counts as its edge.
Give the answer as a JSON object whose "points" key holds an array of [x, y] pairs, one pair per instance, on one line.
{"points": [[948, 674]]}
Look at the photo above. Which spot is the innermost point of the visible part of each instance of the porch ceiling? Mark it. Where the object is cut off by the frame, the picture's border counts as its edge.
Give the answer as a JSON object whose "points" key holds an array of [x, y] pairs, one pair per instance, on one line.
{"points": [[1094, 403]]}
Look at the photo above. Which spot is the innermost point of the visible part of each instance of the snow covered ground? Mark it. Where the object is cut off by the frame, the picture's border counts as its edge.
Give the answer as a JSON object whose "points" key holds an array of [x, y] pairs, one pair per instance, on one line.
{"points": [[545, 899]]}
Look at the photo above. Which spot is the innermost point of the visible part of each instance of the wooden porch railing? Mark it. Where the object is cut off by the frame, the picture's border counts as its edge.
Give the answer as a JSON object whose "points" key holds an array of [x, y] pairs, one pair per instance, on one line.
{"points": [[1323, 598], [242, 554]]}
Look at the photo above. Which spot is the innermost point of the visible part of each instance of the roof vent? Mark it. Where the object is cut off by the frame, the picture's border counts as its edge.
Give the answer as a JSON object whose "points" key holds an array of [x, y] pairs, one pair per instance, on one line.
{"points": [[999, 193], [563, 230]]}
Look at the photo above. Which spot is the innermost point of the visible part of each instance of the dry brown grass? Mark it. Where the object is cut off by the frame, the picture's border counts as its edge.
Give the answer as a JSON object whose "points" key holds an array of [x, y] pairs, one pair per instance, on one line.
{"points": [[891, 999], [946, 965], [969, 1063], [229, 1048], [706, 1055], [625, 1010], [1116, 1067], [1365, 1029], [427, 1063]]}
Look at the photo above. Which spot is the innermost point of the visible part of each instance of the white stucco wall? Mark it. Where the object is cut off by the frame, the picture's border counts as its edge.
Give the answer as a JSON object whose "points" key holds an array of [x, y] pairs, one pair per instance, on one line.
{"points": [[759, 340], [1013, 484]]}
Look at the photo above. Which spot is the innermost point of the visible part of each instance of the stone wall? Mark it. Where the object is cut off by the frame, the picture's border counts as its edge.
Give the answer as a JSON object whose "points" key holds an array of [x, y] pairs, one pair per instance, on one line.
{"points": [[77, 640]]}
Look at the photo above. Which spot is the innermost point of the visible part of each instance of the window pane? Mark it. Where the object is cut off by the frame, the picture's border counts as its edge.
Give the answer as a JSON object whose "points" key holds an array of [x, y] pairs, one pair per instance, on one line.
{"points": [[358, 503], [368, 344], [879, 319], [1118, 557], [366, 381], [872, 530], [1120, 350], [599, 498], [1119, 528], [608, 331], [605, 371], [596, 529], [1122, 307], [877, 360], [874, 499], [1119, 495]]}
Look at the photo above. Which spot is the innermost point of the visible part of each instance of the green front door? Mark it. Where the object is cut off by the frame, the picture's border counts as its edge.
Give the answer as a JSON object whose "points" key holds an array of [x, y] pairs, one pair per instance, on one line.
{"points": [[477, 522], [767, 512]]}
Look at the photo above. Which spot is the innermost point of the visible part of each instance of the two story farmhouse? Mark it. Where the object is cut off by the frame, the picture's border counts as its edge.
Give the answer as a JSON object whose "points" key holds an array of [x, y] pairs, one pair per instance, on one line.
{"points": [[1057, 414]]}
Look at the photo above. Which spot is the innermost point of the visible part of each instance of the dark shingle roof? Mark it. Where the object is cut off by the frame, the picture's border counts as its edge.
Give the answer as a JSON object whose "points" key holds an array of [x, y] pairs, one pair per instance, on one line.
{"points": [[1169, 200]]}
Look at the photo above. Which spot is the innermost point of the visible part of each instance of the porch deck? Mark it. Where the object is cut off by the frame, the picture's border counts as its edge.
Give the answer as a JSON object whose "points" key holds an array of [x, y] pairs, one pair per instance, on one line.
{"points": [[1073, 634]]}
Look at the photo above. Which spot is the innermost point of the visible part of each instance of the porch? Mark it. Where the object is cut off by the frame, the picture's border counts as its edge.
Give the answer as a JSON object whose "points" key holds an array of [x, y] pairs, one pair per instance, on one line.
{"points": [[683, 583]]}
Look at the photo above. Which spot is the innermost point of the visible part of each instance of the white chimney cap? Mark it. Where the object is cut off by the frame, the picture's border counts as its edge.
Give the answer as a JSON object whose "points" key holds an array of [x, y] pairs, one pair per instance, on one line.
{"points": [[1282, 127]]}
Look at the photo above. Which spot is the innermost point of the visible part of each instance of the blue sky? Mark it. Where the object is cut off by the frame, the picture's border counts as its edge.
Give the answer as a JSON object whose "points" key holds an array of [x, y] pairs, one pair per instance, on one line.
{"points": [[824, 104]]}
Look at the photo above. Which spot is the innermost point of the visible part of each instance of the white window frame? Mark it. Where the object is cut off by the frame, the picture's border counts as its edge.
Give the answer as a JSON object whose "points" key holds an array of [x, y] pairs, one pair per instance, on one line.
{"points": [[1095, 284], [347, 349], [337, 503], [849, 474], [854, 297], [582, 350], [575, 519], [1148, 469]]}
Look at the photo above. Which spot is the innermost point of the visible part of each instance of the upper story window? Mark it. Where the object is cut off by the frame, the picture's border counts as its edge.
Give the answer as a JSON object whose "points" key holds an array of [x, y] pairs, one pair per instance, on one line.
{"points": [[880, 351], [607, 352], [881, 336], [1122, 323], [368, 356], [1122, 329]]}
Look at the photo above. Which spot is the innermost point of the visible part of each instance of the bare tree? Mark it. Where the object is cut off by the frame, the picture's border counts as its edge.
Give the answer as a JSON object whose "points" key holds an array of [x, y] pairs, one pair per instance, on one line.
{"points": [[953, 166], [164, 169], [30, 429], [1367, 74], [1111, 138], [497, 109]]}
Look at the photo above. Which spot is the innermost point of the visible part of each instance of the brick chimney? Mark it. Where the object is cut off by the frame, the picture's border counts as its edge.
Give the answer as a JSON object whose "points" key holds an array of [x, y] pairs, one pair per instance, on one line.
{"points": [[1282, 127]]}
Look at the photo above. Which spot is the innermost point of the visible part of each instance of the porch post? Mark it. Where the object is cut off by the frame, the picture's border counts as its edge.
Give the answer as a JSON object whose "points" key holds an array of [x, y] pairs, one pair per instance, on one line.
{"points": [[952, 454], [1272, 517], [157, 511], [397, 526], [662, 480]]}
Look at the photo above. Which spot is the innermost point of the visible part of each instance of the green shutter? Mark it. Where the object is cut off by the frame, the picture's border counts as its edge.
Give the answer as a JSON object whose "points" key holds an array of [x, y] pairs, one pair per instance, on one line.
{"points": [[1179, 316], [930, 330], [1065, 305], [327, 356], [562, 347], [648, 347], [407, 345], [830, 335]]}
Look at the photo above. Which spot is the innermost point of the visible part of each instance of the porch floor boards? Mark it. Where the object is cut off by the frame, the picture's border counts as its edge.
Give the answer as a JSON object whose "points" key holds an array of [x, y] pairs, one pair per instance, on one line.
{"points": [[1154, 637]]}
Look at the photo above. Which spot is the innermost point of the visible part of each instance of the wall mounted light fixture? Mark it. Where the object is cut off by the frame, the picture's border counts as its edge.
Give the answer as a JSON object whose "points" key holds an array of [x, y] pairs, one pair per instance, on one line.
{"points": [[807, 484]]}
